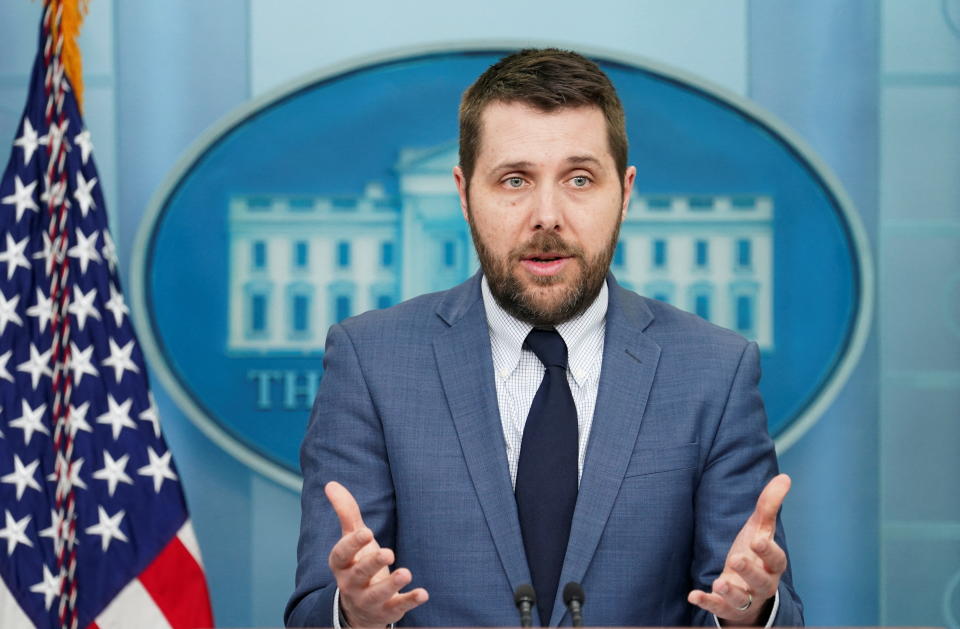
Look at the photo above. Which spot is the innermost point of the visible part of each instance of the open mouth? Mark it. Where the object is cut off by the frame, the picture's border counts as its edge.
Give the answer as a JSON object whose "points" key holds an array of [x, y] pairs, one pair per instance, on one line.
{"points": [[544, 264], [545, 258]]}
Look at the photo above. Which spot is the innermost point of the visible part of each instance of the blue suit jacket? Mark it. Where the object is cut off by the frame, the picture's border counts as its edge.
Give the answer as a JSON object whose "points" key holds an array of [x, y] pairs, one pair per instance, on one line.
{"points": [[407, 419]]}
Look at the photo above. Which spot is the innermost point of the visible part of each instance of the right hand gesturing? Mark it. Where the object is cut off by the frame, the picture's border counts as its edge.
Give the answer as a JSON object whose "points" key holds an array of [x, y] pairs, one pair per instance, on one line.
{"points": [[369, 593]]}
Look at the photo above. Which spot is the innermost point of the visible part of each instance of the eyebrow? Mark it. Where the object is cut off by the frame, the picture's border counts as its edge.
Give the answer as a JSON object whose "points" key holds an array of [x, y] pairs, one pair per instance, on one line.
{"points": [[584, 159], [524, 164], [521, 165]]}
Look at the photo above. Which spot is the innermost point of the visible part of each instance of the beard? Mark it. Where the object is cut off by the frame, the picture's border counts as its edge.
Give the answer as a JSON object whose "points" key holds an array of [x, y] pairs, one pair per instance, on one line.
{"points": [[523, 302]]}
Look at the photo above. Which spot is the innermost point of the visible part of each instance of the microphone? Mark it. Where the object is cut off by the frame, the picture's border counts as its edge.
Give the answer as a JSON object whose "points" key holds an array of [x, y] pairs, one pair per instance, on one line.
{"points": [[573, 599], [525, 598]]}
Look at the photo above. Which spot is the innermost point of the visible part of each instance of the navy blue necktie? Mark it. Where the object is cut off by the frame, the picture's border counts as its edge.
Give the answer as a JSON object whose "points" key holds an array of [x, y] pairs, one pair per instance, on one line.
{"points": [[546, 487]]}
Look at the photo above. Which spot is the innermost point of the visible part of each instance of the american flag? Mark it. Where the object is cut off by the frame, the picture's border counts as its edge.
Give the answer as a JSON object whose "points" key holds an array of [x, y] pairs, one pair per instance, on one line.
{"points": [[94, 530]]}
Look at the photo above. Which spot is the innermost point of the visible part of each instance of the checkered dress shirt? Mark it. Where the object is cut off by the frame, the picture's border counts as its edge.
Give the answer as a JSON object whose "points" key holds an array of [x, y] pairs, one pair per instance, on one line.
{"points": [[518, 372]]}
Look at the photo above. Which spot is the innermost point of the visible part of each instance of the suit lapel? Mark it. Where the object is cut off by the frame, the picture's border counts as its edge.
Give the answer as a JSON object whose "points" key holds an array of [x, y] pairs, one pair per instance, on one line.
{"points": [[465, 365], [629, 364]]}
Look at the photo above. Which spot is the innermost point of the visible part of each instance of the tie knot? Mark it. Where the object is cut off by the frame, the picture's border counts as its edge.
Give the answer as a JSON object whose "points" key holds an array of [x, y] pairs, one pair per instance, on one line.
{"points": [[549, 347]]}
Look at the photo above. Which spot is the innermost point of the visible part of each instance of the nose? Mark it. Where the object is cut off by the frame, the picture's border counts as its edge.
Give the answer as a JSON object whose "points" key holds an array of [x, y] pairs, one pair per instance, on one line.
{"points": [[546, 213]]}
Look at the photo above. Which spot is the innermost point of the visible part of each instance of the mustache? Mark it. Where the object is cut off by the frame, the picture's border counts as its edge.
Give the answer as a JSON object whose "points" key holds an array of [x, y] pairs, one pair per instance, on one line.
{"points": [[546, 243]]}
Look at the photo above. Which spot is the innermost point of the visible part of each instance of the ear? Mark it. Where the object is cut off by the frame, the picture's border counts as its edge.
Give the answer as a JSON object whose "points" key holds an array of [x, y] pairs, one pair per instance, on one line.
{"points": [[628, 178], [461, 181]]}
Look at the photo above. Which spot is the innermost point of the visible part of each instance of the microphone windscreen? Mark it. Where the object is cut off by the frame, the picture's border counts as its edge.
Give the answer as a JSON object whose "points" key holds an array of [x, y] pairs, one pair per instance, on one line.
{"points": [[572, 592], [524, 594]]}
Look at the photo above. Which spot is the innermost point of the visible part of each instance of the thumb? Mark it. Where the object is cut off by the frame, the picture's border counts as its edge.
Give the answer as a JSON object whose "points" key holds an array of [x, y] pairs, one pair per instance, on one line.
{"points": [[346, 507], [770, 501]]}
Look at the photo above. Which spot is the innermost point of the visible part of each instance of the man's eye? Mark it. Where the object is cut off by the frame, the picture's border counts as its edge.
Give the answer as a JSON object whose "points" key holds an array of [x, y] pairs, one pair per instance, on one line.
{"points": [[514, 182], [580, 181]]}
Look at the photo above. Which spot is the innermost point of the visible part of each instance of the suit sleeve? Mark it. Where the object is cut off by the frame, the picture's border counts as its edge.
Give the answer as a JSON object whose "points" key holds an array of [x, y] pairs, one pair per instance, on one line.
{"points": [[740, 461], [344, 442]]}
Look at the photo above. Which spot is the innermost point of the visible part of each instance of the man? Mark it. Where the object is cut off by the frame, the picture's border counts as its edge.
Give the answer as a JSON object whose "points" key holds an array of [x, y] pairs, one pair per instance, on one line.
{"points": [[539, 424]]}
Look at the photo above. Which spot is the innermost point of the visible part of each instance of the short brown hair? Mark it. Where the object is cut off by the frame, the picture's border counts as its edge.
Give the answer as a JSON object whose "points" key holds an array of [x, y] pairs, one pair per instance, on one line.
{"points": [[547, 79]]}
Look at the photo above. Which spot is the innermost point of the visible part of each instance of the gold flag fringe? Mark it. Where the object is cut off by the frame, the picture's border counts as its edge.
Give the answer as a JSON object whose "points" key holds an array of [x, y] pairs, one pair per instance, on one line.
{"points": [[71, 19]]}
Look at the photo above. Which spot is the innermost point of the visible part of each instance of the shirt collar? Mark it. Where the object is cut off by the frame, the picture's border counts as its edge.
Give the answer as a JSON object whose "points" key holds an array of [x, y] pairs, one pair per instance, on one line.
{"points": [[582, 334]]}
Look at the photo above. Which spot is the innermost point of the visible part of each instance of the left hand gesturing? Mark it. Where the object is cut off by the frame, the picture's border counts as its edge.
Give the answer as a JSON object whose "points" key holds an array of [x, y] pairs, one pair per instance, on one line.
{"points": [[753, 567]]}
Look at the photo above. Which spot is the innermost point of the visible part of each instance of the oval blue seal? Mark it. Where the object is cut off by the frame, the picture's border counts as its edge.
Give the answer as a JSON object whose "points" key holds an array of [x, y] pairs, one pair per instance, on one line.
{"points": [[335, 196]]}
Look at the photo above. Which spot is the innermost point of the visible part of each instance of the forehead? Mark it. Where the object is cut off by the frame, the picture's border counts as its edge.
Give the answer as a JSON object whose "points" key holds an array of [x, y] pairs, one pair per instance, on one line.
{"points": [[518, 131]]}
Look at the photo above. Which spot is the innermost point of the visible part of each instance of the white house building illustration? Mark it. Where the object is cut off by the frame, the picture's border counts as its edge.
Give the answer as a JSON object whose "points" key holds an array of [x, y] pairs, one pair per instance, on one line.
{"points": [[301, 263]]}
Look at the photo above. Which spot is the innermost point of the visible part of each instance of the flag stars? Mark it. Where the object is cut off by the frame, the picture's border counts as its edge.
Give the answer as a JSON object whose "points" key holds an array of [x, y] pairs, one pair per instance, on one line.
{"points": [[42, 310], [120, 359], [80, 362], [28, 141], [38, 365], [82, 306], [83, 194], [114, 472], [151, 415], [77, 419], [53, 531], [46, 254], [15, 532], [22, 476], [118, 416], [22, 197], [73, 471], [85, 250], [49, 587], [158, 468], [4, 359], [83, 140], [8, 311], [116, 305], [109, 251], [108, 528], [30, 421], [13, 255]]}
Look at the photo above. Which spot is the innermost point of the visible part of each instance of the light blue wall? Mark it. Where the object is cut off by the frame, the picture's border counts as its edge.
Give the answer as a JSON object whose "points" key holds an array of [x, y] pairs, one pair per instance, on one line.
{"points": [[814, 64], [873, 87], [919, 245]]}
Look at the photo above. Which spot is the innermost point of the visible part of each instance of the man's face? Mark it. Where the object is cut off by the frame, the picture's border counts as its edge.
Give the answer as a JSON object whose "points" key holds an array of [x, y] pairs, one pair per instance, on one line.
{"points": [[545, 204]]}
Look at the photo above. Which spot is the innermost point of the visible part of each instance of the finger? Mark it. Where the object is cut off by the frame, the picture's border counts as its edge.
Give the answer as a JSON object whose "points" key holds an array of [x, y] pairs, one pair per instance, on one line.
{"points": [[770, 501], [345, 505], [712, 603], [400, 604], [757, 580], [733, 590], [773, 558], [361, 574], [345, 551], [731, 587], [379, 592]]}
